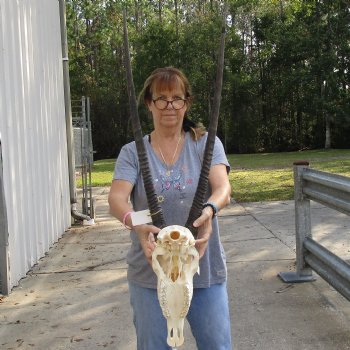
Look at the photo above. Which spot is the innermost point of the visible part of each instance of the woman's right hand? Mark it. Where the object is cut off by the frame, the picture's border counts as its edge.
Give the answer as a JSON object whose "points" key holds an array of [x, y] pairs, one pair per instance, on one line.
{"points": [[145, 234]]}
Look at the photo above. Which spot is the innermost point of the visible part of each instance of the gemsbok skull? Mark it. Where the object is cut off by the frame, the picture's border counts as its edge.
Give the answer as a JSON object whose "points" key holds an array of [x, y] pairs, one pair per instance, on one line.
{"points": [[175, 258]]}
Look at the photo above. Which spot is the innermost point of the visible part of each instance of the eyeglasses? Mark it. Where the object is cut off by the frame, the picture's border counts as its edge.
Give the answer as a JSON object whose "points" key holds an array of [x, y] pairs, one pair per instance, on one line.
{"points": [[161, 104]]}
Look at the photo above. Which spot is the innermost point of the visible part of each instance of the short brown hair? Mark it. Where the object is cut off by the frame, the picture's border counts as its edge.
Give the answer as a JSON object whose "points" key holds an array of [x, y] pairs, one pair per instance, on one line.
{"points": [[168, 78], [162, 79]]}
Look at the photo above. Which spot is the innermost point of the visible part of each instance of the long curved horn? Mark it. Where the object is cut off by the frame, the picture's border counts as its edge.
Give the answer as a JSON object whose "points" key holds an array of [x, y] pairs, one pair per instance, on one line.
{"points": [[199, 197], [155, 209]]}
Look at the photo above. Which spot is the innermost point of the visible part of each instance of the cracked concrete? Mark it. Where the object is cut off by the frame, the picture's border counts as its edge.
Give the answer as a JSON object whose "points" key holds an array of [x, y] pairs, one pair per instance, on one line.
{"points": [[76, 297]]}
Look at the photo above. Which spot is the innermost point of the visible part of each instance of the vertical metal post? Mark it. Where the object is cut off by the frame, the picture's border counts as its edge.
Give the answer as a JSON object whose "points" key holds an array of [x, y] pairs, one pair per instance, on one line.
{"points": [[67, 103], [89, 158], [69, 118], [302, 218], [302, 228], [88, 147], [82, 154], [4, 254]]}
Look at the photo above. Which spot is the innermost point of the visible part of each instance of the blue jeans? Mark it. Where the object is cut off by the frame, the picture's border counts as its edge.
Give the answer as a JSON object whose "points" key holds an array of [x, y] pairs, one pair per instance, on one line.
{"points": [[208, 317]]}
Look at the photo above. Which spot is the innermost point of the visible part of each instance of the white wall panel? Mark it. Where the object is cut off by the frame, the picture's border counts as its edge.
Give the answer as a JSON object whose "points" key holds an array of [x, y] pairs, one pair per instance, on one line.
{"points": [[32, 127]]}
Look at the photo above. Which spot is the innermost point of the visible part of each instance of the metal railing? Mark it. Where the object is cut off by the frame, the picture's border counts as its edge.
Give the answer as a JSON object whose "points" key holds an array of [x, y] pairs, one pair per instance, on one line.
{"points": [[332, 191]]}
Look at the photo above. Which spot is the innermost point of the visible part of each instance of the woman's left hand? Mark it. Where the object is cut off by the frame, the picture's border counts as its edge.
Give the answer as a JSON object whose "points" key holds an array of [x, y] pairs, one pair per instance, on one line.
{"points": [[204, 230]]}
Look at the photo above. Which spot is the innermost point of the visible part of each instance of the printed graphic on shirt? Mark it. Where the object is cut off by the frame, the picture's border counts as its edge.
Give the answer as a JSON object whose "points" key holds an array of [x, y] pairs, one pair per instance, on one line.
{"points": [[171, 181], [176, 182]]}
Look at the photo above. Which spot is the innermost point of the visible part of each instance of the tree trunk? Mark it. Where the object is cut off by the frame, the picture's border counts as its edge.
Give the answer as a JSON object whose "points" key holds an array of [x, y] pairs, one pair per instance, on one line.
{"points": [[327, 144], [176, 19], [160, 10]]}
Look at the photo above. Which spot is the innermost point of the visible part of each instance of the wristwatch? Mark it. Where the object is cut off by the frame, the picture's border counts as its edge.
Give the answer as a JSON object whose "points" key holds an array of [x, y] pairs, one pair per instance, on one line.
{"points": [[213, 206]]}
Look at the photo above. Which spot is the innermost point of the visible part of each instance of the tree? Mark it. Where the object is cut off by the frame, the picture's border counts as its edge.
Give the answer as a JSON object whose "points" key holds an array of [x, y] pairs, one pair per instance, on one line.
{"points": [[286, 75]]}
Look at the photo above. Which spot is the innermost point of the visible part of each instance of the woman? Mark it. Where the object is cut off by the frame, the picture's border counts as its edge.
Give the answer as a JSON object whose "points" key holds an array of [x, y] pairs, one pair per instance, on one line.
{"points": [[175, 149]]}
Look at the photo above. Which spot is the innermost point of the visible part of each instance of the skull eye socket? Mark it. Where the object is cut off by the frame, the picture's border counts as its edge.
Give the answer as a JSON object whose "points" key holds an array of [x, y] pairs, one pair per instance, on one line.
{"points": [[174, 235]]}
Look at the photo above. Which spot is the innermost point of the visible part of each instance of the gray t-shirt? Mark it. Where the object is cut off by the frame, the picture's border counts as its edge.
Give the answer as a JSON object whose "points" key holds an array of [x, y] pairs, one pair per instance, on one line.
{"points": [[177, 192]]}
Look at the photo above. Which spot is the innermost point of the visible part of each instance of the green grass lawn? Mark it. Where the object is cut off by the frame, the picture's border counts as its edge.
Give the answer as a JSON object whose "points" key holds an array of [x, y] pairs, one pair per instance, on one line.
{"points": [[257, 177], [102, 173], [269, 176]]}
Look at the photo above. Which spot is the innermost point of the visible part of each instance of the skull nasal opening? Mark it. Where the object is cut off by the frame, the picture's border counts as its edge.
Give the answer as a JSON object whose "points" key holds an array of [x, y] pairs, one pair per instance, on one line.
{"points": [[174, 235]]}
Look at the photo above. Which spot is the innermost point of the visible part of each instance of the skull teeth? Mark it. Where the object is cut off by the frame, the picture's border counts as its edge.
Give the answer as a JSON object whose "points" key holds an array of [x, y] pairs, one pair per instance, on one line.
{"points": [[175, 261]]}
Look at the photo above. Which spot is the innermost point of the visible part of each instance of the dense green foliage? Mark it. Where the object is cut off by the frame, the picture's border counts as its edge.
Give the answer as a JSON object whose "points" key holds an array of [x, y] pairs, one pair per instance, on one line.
{"points": [[286, 77]]}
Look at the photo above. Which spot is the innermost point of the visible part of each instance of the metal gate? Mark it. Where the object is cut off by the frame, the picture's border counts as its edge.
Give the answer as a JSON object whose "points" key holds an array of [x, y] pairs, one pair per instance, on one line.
{"points": [[333, 191], [4, 263], [83, 150]]}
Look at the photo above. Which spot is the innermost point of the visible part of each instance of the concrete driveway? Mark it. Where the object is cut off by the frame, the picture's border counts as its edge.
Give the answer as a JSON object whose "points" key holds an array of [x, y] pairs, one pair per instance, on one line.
{"points": [[76, 297]]}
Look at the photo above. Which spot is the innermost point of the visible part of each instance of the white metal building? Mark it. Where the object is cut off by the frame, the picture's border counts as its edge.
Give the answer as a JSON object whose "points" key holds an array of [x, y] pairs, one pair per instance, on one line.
{"points": [[34, 179]]}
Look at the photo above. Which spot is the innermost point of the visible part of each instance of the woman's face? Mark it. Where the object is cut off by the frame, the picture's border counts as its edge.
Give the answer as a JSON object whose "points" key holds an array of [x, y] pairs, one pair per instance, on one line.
{"points": [[169, 117]]}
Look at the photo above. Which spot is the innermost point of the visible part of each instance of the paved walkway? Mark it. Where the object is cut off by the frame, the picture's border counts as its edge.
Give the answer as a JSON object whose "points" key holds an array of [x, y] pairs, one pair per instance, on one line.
{"points": [[76, 297]]}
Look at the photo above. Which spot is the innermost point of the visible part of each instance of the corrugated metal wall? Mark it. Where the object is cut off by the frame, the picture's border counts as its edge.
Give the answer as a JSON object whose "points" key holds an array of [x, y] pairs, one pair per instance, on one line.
{"points": [[32, 128]]}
